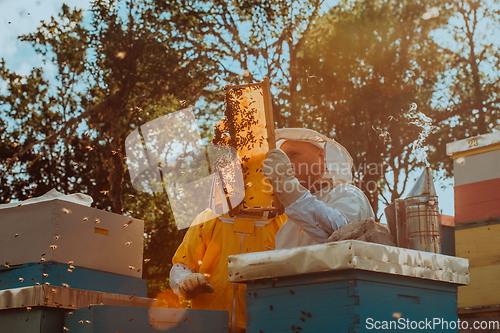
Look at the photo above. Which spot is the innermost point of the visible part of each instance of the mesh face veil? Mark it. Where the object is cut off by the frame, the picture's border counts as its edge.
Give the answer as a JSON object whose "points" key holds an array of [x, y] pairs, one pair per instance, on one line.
{"points": [[338, 161]]}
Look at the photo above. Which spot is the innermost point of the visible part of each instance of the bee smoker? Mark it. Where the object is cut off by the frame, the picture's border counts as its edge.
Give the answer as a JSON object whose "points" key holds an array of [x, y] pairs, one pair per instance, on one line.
{"points": [[414, 221]]}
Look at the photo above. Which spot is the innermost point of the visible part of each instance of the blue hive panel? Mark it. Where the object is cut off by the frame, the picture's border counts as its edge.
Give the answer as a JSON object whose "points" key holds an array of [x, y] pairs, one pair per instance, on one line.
{"points": [[350, 301], [39, 320], [58, 274], [127, 319]]}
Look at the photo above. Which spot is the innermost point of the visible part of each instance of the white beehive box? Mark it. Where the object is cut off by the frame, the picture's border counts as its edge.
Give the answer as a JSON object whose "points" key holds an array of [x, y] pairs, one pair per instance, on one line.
{"points": [[65, 232]]}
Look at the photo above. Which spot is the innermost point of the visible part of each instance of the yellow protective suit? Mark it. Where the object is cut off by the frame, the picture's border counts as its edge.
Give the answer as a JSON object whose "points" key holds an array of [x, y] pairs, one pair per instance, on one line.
{"points": [[205, 249]]}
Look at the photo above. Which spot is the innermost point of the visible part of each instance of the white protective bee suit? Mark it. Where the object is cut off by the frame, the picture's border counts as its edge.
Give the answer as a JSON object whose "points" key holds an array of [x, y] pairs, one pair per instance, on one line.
{"points": [[313, 217]]}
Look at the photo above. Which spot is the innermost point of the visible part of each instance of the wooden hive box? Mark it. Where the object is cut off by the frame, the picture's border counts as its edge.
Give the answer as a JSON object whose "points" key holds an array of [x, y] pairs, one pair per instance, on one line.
{"points": [[44, 308], [348, 286], [65, 232], [476, 166], [127, 319], [64, 275]]}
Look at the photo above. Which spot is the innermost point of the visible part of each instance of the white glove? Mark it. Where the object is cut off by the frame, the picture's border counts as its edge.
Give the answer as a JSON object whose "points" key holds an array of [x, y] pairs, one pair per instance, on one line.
{"points": [[278, 168], [193, 285]]}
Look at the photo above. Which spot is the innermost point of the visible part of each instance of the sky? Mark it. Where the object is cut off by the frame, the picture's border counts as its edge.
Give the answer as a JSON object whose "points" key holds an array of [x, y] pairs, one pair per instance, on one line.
{"points": [[22, 17]]}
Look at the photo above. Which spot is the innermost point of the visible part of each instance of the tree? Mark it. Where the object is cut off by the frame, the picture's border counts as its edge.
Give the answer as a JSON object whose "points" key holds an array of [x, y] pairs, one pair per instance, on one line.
{"points": [[130, 65], [470, 102], [252, 39], [134, 62], [362, 64]]}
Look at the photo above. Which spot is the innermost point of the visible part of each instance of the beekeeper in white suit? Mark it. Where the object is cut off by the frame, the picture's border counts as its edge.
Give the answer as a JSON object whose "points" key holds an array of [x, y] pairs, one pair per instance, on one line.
{"points": [[312, 176]]}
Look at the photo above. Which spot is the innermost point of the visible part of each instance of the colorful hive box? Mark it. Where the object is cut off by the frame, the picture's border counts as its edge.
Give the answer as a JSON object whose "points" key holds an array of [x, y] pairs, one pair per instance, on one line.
{"points": [[476, 166], [127, 319], [64, 275], [44, 308], [64, 232], [348, 286]]}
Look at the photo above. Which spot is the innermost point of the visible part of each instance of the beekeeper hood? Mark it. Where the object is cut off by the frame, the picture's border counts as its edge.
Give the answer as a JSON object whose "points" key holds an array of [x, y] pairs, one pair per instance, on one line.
{"points": [[338, 162]]}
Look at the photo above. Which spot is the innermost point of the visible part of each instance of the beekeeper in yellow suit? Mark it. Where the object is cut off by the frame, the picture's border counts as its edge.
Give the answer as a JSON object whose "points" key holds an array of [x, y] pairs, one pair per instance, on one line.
{"points": [[318, 196], [312, 176], [200, 265]]}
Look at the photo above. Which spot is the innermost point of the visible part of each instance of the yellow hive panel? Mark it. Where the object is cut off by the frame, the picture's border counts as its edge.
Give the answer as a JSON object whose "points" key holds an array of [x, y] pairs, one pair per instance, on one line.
{"points": [[481, 245], [245, 128], [484, 288]]}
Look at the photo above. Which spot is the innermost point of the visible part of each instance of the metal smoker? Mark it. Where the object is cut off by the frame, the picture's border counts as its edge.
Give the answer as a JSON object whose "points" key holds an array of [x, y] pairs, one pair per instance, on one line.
{"points": [[414, 221], [423, 227]]}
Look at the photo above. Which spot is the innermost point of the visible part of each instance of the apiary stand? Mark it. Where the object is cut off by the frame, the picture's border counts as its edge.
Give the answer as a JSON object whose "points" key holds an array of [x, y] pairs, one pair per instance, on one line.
{"points": [[349, 286]]}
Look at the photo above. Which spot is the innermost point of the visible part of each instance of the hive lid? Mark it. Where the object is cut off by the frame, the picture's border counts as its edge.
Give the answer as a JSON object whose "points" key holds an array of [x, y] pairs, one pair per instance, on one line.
{"points": [[350, 254], [65, 298], [424, 185], [474, 145]]}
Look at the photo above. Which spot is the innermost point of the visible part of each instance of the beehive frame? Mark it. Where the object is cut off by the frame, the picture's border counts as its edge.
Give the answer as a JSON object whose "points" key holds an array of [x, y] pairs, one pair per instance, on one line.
{"points": [[249, 127]]}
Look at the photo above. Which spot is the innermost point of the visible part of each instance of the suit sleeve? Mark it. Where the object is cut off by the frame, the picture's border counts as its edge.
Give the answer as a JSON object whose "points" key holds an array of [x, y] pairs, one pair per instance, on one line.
{"points": [[320, 219]]}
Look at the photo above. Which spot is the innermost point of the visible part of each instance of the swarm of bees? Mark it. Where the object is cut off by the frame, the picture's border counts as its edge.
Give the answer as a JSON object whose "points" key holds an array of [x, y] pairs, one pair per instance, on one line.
{"points": [[244, 128]]}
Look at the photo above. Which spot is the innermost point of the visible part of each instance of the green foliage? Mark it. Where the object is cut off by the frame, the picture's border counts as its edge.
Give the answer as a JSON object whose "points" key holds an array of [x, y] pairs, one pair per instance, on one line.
{"points": [[469, 104], [130, 65], [362, 64]]}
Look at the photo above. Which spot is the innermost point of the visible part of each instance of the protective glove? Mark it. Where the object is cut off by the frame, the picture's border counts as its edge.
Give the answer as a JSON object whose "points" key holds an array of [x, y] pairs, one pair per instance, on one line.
{"points": [[193, 285], [278, 169]]}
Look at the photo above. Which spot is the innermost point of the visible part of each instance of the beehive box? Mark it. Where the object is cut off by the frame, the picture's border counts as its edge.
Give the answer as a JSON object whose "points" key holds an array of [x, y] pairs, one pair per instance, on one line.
{"points": [[476, 166], [58, 274], [65, 232], [481, 245], [126, 319], [348, 286], [39, 320], [65, 298], [44, 308]]}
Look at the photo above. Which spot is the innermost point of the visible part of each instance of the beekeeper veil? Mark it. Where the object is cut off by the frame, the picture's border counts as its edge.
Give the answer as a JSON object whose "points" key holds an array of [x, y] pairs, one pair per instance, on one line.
{"points": [[338, 162]]}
